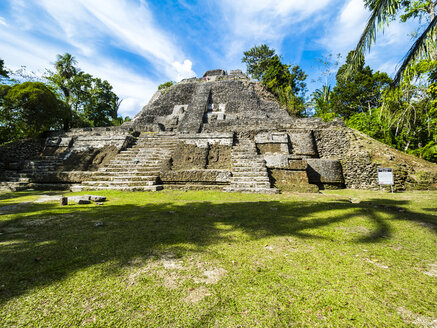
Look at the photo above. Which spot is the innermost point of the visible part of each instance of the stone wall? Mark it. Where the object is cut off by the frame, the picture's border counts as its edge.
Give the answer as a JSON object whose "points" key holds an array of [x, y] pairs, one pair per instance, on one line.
{"points": [[14, 153]]}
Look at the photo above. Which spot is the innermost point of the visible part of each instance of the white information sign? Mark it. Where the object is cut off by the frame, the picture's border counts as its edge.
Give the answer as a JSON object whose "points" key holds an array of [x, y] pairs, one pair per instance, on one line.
{"points": [[385, 176]]}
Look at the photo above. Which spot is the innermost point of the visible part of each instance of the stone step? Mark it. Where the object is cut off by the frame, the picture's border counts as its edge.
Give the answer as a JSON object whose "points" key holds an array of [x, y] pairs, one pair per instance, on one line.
{"points": [[245, 156], [249, 174], [130, 164], [193, 186], [118, 184], [247, 162], [123, 188], [121, 171], [250, 179], [122, 178], [250, 184], [251, 190], [248, 169], [123, 174]]}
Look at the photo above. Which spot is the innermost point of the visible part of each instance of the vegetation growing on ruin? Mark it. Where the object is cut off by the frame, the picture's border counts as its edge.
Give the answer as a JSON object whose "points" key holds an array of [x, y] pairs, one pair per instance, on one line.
{"points": [[286, 82], [66, 97], [175, 258]]}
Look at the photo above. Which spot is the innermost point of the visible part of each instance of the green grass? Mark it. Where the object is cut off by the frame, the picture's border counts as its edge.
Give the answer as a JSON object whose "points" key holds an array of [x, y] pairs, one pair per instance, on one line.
{"points": [[195, 259]]}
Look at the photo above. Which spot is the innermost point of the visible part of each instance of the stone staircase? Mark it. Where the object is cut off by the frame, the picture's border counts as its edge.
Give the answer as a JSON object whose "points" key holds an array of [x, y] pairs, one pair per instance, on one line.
{"points": [[249, 172], [22, 179], [136, 168]]}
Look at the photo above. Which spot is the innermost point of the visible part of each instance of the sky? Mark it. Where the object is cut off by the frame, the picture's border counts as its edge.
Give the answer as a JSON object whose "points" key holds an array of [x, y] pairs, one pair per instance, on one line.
{"points": [[138, 44]]}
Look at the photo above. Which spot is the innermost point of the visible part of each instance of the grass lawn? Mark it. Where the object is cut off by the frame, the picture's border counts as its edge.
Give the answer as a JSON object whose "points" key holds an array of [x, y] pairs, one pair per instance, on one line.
{"points": [[211, 259]]}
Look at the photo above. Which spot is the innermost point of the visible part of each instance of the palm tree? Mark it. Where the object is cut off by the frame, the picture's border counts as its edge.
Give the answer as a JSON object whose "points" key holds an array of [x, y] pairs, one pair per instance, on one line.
{"points": [[382, 12], [66, 70]]}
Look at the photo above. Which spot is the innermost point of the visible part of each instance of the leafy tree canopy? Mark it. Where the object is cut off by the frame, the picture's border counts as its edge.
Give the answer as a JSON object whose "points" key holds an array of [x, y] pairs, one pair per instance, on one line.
{"points": [[3, 71], [286, 82], [257, 59], [165, 85], [90, 100], [28, 109], [361, 92], [383, 11]]}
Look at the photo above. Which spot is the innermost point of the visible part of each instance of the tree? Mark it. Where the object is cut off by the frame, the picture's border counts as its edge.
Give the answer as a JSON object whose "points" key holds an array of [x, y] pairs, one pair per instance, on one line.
{"points": [[91, 100], [383, 11], [165, 85], [287, 83], [3, 71], [28, 109], [257, 59], [322, 103], [288, 86], [359, 93]]}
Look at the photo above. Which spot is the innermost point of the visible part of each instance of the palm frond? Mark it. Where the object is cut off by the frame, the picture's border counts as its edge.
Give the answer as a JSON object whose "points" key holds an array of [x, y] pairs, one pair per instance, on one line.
{"points": [[382, 11], [423, 48]]}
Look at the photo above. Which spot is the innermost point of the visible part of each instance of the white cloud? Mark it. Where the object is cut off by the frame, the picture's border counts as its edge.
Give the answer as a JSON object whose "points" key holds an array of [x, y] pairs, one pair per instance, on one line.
{"points": [[184, 70], [3, 21], [86, 28], [346, 29], [250, 22], [132, 27]]}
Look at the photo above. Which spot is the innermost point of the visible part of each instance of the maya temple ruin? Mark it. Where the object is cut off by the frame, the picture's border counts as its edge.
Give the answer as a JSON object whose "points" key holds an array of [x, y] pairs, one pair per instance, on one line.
{"points": [[221, 131]]}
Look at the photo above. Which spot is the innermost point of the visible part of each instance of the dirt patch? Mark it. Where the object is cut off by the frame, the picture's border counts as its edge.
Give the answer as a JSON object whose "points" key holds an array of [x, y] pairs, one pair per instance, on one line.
{"points": [[416, 319], [211, 276], [376, 263], [195, 295], [432, 272]]}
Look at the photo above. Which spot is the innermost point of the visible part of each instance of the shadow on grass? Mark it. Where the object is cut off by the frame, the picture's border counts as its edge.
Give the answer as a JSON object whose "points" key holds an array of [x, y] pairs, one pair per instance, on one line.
{"points": [[38, 249]]}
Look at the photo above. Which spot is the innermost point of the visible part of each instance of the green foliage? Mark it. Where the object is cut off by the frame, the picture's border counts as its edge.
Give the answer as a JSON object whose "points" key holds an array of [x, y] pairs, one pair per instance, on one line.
{"points": [[429, 152], [321, 100], [28, 109], [361, 92], [372, 124], [415, 9], [257, 59], [383, 11], [288, 85], [90, 100], [3, 71], [165, 85]]}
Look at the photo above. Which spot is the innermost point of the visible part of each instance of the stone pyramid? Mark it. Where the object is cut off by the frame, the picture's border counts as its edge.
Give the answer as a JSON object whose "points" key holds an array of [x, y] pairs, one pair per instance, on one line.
{"points": [[221, 131]]}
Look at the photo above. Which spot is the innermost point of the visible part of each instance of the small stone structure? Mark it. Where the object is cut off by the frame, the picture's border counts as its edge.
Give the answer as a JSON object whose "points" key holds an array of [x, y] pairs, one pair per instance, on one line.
{"points": [[221, 131]]}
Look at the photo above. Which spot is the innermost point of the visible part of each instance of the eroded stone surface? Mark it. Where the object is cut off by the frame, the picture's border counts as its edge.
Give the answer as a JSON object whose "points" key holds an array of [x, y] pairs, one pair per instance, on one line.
{"points": [[190, 131]]}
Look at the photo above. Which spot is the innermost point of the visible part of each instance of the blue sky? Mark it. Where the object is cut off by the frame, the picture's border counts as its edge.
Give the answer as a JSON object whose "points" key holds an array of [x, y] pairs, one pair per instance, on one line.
{"points": [[137, 44]]}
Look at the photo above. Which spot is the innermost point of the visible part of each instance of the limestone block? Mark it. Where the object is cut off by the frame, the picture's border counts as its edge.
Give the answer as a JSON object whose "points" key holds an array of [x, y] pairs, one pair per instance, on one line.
{"points": [[297, 165], [95, 198], [325, 171], [52, 141], [303, 144], [271, 138], [287, 180], [189, 156], [65, 142], [270, 148], [196, 176], [276, 160], [220, 116], [205, 139], [219, 157]]}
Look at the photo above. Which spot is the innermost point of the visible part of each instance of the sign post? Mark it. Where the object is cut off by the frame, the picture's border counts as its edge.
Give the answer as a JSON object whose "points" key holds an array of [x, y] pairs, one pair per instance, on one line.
{"points": [[385, 177]]}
